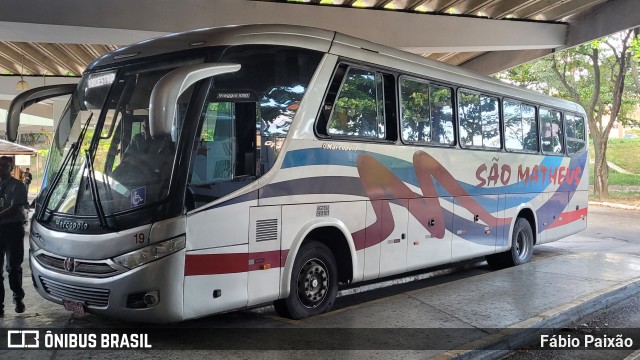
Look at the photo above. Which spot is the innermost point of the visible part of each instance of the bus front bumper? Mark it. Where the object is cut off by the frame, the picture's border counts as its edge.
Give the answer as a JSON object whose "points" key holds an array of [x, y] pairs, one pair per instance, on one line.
{"points": [[122, 295]]}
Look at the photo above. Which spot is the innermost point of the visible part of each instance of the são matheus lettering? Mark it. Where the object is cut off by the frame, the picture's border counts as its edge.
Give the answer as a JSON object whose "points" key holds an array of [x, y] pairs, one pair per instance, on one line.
{"points": [[494, 175], [96, 341], [589, 341]]}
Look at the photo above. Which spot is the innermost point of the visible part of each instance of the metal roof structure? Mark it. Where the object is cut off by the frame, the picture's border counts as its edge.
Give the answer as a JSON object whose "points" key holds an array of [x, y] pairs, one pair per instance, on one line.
{"points": [[48, 59], [544, 11], [9, 148], [70, 59]]}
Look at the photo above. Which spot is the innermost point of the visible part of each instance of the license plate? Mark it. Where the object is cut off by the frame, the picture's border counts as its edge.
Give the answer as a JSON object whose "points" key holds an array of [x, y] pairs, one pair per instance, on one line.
{"points": [[74, 306]]}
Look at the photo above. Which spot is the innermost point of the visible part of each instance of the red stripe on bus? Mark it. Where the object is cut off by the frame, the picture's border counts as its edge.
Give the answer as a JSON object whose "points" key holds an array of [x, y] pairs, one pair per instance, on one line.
{"points": [[208, 264], [215, 264], [568, 217]]}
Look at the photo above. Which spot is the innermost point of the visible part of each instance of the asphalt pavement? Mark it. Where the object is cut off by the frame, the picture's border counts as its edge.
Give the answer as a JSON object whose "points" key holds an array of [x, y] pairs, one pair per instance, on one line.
{"points": [[468, 312]]}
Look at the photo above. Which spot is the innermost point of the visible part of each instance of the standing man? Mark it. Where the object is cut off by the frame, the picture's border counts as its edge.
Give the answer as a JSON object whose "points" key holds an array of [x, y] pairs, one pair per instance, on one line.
{"points": [[13, 196], [26, 179]]}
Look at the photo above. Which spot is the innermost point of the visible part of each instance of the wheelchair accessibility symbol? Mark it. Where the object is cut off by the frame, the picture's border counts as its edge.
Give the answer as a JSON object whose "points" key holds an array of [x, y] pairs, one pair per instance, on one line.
{"points": [[138, 196]]}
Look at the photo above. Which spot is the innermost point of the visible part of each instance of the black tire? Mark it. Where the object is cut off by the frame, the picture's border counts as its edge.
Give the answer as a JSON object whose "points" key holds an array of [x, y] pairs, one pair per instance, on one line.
{"points": [[314, 283], [521, 250]]}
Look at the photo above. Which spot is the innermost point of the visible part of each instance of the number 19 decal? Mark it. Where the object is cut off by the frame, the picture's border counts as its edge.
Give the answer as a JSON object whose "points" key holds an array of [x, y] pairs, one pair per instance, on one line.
{"points": [[139, 238]]}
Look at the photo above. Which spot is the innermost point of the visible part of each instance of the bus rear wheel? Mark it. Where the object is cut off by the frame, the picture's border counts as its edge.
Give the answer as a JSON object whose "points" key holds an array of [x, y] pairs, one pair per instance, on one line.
{"points": [[521, 250], [314, 283]]}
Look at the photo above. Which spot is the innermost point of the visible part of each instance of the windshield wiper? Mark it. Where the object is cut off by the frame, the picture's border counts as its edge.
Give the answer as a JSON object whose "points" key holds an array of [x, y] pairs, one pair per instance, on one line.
{"points": [[95, 195], [72, 156], [76, 151]]}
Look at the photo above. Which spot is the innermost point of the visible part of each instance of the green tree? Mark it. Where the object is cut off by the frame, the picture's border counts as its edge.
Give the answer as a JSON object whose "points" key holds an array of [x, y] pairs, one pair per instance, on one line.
{"points": [[593, 75], [426, 112], [359, 106]]}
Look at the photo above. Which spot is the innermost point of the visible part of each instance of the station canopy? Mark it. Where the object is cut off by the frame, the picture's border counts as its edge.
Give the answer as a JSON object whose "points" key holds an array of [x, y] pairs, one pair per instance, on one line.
{"points": [[491, 27]]}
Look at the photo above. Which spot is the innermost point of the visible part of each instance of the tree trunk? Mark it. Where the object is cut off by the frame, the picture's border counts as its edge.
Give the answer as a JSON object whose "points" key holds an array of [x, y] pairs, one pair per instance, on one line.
{"points": [[601, 169], [595, 122]]}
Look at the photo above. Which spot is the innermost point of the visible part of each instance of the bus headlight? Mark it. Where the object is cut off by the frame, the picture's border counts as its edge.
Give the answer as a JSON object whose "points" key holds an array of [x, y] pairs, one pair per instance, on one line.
{"points": [[151, 253]]}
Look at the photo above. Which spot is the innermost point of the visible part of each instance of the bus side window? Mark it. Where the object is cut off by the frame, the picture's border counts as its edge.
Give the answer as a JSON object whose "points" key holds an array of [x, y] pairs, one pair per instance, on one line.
{"points": [[551, 133], [575, 133], [359, 107], [427, 115], [479, 120], [521, 129]]}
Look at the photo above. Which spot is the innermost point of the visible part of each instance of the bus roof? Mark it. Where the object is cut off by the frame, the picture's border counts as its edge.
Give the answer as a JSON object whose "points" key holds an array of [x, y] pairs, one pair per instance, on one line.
{"points": [[325, 41], [299, 36]]}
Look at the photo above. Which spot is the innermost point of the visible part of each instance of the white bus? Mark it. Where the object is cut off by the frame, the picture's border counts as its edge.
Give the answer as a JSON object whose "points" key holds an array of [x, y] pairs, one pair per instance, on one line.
{"points": [[217, 169]]}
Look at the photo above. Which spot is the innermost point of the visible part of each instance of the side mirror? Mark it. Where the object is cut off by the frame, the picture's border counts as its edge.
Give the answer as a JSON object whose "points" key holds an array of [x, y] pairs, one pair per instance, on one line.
{"points": [[28, 98], [165, 94]]}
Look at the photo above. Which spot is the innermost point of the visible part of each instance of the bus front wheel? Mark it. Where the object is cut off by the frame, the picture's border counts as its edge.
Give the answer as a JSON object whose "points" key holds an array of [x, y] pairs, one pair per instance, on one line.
{"points": [[314, 283], [521, 250]]}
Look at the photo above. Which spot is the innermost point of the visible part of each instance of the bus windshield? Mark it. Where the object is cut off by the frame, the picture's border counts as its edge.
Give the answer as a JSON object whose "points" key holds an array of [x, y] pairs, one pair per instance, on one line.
{"points": [[107, 117]]}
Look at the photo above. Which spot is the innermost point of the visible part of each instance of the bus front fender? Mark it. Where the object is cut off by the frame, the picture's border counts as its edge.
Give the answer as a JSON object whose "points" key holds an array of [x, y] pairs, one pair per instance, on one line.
{"points": [[301, 236]]}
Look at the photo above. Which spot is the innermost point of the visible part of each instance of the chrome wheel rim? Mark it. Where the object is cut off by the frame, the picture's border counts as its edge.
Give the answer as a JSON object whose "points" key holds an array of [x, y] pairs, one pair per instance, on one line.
{"points": [[313, 283], [522, 245]]}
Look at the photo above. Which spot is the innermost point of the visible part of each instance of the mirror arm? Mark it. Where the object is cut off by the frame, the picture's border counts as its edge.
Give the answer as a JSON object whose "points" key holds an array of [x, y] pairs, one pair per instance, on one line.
{"points": [[164, 97], [28, 98]]}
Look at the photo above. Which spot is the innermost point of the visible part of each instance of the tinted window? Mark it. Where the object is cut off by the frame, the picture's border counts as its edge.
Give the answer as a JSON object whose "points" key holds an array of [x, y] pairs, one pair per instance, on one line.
{"points": [[246, 118], [359, 107], [226, 154], [276, 78], [479, 120], [521, 129], [551, 133], [575, 133], [426, 112]]}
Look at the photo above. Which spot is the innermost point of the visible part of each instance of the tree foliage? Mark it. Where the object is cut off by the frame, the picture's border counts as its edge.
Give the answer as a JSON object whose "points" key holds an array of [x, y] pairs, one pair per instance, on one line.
{"points": [[359, 107], [594, 75], [426, 112]]}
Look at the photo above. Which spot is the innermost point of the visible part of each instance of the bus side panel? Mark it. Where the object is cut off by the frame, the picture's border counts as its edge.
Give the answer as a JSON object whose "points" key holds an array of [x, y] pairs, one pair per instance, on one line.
{"points": [[217, 259], [572, 219], [550, 213], [393, 248], [576, 217], [425, 249], [211, 227], [502, 232], [265, 259], [371, 253], [215, 280], [298, 221], [475, 226]]}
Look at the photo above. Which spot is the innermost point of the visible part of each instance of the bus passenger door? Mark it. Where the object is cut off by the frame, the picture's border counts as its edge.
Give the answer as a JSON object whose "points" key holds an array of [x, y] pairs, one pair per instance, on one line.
{"points": [[264, 254], [423, 248], [474, 226], [218, 243], [393, 249]]}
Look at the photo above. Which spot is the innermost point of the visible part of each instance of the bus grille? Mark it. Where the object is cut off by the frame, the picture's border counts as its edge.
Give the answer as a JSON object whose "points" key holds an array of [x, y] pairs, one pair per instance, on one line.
{"points": [[88, 296], [80, 268], [267, 230], [94, 268], [51, 261]]}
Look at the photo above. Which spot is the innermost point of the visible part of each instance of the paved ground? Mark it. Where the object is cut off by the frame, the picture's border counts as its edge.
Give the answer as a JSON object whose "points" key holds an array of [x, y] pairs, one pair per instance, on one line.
{"points": [[622, 318], [567, 280]]}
